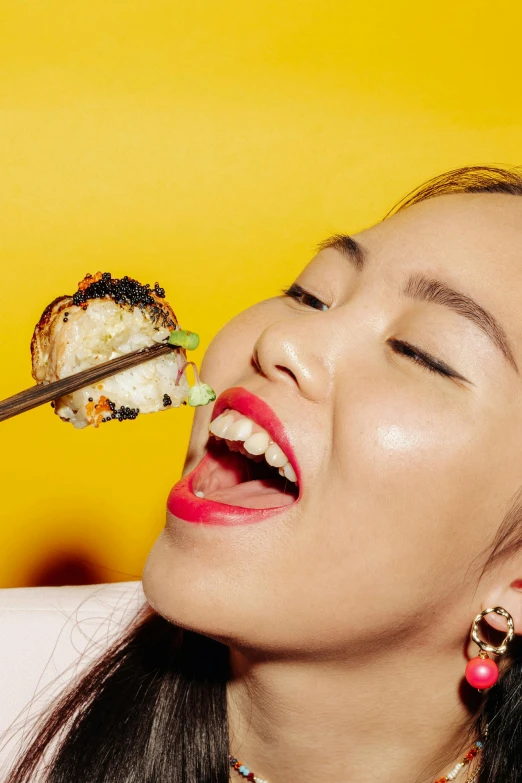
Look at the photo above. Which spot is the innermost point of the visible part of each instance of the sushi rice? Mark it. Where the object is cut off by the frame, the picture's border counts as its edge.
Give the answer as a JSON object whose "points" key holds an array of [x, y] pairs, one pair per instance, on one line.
{"points": [[106, 318]]}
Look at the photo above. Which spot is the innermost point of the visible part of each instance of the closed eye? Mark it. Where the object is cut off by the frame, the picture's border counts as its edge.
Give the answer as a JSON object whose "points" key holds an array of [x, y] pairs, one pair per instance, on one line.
{"points": [[424, 359], [304, 297]]}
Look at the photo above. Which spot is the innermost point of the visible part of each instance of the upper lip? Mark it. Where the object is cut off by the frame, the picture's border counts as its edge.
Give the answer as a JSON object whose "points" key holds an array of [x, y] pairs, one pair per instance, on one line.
{"points": [[243, 401]]}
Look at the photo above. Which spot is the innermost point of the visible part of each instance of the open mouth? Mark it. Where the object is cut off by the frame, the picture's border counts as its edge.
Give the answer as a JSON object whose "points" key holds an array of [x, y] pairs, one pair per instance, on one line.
{"points": [[244, 466]]}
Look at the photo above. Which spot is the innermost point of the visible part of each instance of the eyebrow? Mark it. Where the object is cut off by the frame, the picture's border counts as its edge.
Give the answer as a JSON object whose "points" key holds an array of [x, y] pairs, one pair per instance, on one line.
{"points": [[426, 289], [353, 251]]}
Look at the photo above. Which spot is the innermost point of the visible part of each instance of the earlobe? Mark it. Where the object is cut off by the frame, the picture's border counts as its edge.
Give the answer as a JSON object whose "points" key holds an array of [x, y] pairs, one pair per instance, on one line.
{"points": [[481, 671], [509, 599]]}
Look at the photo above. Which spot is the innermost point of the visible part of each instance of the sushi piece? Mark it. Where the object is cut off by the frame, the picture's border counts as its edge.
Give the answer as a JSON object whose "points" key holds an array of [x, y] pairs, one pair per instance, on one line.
{"points": [[108, 317]]}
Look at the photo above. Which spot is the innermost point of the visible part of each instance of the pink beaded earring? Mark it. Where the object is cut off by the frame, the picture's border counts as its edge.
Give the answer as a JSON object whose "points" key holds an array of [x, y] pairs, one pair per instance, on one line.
{"points": [[482, 672]]}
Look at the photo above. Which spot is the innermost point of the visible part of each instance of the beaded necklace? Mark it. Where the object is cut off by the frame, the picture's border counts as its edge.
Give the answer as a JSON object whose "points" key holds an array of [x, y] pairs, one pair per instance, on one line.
{"points": [[475, 749]]}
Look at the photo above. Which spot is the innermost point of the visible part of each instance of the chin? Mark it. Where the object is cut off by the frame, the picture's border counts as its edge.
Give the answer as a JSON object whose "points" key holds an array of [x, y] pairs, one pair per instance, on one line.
{"points": [[191, 592]]}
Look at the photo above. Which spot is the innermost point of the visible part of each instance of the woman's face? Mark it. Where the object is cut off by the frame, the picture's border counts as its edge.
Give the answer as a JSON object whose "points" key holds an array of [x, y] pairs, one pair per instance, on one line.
{"points": [[406, 463]]}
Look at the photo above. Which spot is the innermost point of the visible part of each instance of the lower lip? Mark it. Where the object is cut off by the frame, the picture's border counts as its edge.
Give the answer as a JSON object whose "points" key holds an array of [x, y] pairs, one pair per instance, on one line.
{"points": [[184, 504]]}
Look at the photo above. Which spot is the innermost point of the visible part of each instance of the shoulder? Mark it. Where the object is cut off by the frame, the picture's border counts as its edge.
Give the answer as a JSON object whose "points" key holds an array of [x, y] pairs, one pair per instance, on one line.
{"points": [[48, 635], [57, 600]]}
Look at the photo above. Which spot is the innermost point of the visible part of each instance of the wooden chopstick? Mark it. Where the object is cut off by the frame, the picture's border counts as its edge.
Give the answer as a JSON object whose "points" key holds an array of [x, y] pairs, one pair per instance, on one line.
{"points": [[46, 392]]}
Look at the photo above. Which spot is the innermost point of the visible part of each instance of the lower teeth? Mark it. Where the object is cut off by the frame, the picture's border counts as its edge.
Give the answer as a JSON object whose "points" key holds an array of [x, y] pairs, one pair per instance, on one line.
{"points": [[199, 494]]}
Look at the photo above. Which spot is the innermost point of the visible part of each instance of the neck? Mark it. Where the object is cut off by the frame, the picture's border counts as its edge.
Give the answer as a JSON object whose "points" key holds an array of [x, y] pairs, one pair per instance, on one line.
{"points": [[390, 718]]}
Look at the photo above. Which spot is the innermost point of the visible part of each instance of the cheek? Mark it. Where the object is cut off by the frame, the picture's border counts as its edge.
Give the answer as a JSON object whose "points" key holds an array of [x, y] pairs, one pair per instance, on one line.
{"points": [[400, 439], [417, 461], [400, 433], [228, 359]]}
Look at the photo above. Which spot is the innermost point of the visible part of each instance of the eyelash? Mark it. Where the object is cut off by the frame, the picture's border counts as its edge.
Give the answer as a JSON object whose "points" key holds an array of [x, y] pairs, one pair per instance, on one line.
{"points": [[406, 349], [299, 294]]}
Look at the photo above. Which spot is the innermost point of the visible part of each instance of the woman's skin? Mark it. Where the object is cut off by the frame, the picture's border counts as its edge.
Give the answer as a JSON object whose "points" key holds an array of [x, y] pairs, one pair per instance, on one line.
{"points": [[348, 613]]}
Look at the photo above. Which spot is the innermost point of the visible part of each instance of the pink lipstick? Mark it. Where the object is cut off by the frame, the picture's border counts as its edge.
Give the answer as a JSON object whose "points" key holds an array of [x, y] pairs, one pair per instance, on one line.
{"points": [[220, 466]]}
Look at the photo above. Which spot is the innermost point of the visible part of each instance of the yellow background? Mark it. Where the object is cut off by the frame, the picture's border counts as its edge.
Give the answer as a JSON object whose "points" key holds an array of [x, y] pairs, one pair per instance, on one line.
{"points": [[208, 146]]}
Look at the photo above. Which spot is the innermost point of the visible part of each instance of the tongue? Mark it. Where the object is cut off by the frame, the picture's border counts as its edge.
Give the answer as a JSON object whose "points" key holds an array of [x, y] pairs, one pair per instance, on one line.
{"points": [[252, 494]]}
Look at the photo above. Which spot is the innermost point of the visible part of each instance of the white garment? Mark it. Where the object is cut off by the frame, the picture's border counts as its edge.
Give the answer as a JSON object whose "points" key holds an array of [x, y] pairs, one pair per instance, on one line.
{"points": [[49, 634]]}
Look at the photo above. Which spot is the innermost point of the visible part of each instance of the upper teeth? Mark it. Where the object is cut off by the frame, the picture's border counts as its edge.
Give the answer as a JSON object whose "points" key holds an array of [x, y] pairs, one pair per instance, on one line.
{"points": [[256, 441]]}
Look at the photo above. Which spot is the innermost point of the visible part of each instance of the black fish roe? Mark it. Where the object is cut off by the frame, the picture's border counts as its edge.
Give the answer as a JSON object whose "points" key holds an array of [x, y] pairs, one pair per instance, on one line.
{"points": [[122, 291], [166, 401], [124, 412]]}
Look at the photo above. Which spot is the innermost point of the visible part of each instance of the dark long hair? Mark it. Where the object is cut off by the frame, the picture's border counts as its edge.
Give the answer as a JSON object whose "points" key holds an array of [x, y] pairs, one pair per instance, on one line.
{"points": [[153, 708]]}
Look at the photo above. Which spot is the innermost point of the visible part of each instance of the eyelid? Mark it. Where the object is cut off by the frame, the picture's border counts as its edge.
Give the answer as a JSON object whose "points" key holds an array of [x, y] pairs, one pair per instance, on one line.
{"points": [[419, 357], [425, 359], [298, 294]]}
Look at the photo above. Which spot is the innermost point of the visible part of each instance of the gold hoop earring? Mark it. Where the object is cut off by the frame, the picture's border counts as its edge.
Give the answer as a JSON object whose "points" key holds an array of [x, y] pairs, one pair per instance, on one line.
{"points": [[482, 672]]}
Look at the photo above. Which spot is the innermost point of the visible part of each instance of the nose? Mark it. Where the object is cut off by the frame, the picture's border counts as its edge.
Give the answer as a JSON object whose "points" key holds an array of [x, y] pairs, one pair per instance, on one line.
{"points": [[287, 352]]}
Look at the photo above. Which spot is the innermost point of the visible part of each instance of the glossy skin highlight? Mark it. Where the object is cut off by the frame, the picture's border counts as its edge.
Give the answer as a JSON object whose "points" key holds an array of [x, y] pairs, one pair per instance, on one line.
{"points": [[366, 588]]}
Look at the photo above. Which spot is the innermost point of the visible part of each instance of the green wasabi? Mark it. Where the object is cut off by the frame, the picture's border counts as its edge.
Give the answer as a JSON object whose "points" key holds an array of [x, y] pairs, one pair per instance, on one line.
{"points": [[201, 394], [185, 339]]}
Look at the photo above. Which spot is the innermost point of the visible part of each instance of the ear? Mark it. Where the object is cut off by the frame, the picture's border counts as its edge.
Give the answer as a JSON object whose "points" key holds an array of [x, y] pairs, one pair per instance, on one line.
{"points": [[506, 591]]}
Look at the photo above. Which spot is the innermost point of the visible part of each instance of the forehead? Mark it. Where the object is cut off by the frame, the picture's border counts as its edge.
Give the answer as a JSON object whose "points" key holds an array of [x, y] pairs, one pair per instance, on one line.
{"points": [[470, 242], [470, 237]]}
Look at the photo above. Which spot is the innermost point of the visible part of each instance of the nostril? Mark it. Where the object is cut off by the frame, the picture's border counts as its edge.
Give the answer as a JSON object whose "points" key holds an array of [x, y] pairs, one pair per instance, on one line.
{"points": [[283, 369]]}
